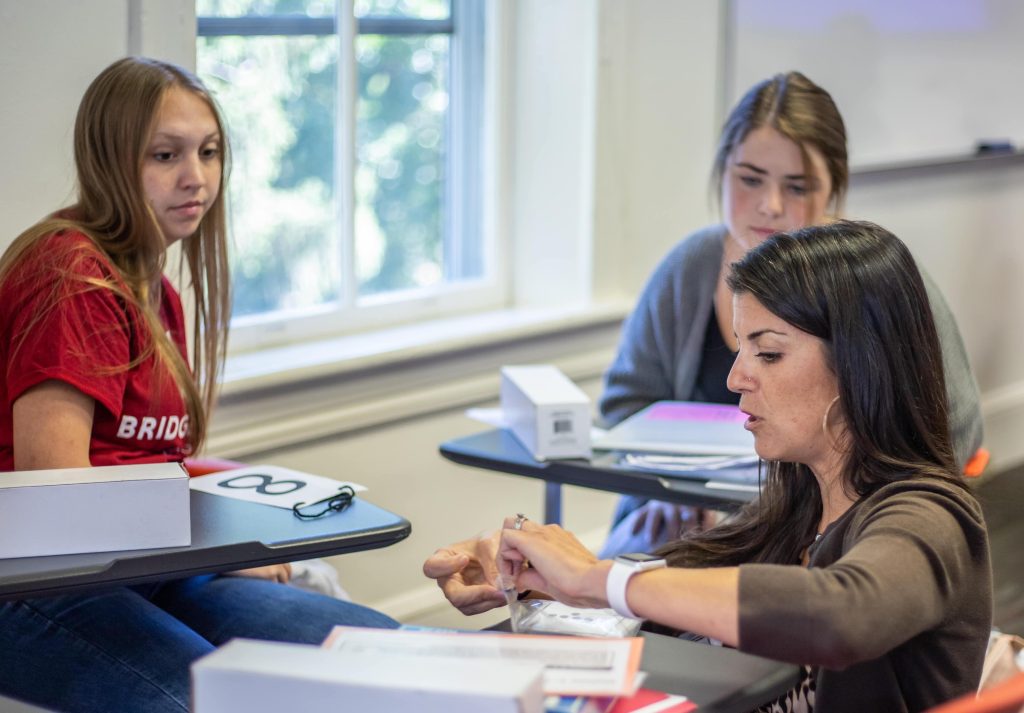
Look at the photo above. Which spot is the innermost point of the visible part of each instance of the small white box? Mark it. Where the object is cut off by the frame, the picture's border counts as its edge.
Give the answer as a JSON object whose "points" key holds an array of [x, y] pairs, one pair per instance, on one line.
{"points": [[270, 677], [548, 413], [74, 510]]}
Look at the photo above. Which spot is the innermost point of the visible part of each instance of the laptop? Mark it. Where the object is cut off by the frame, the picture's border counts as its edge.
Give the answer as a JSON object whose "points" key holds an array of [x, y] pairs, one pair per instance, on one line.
{"points": [[682, 427]]}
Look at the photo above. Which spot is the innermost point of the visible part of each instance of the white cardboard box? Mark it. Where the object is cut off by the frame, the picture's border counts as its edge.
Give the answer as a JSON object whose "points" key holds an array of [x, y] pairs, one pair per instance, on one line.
{"points": [[270, 677], [74, 510], [548, 413]]}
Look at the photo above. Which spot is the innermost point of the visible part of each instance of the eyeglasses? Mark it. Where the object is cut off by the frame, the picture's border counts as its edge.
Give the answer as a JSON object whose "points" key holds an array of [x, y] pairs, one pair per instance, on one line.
{"points": [[333, 503]]}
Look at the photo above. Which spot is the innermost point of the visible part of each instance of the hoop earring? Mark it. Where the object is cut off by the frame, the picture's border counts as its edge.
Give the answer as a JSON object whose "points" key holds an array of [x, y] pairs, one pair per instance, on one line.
{"points": [[824, 419]]}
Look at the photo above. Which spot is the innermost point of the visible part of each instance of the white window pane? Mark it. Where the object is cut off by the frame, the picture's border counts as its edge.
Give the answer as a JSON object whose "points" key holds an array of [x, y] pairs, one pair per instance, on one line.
{"points": [[242, 8], [278, 95], [412, 226], [419, 9], [401, 149]]}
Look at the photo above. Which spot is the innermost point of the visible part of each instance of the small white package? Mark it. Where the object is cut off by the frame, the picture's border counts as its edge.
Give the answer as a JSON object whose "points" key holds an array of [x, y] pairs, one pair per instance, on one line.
{"points": [[270, 677], [546, 412], [109, 508], [543, 616]]}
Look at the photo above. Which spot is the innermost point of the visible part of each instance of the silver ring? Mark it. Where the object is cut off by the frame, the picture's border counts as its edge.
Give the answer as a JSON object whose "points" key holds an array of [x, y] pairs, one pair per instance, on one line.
{"points": [[520, 519]]}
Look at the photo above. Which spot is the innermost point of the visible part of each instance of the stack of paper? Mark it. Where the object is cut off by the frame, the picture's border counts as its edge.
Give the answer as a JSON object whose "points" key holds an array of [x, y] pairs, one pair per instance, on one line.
{"points": [[572, 665], [430, 671], [682, 427], [581, 675]]}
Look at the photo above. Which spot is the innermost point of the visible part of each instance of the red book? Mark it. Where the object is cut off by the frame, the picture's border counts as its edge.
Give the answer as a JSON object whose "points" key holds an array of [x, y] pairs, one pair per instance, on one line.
{"points": [[647, 701]]}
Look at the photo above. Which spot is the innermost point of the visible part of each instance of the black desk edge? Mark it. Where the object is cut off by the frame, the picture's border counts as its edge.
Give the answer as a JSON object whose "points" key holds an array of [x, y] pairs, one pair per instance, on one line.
{"points": [[226, 536], [583, 473]]}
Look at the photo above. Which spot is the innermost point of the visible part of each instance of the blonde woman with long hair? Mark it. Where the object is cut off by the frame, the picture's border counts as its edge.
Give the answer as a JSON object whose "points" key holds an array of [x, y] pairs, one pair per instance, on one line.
{"points": [[96, 372]]}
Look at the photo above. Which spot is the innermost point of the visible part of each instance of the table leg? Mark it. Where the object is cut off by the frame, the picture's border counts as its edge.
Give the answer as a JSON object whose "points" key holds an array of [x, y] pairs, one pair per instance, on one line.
{"points": [[552, 503]]}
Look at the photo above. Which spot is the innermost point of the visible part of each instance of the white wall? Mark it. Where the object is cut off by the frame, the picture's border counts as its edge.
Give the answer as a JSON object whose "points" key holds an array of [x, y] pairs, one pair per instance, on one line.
{"points": [[964, 223], [654, 84], [49, 52]]}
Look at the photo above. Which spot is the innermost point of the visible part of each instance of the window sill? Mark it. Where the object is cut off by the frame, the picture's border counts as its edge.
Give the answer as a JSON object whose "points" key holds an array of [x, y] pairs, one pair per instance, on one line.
{"points": [[288, 395]]}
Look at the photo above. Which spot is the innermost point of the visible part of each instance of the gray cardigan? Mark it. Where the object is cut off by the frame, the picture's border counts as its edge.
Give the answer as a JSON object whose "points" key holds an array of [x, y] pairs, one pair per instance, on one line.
{"points": [[663, 340]]}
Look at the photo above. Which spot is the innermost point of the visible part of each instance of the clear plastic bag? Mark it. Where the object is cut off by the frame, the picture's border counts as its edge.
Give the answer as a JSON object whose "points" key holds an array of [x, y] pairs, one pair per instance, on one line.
{"points": [[542, 616]]}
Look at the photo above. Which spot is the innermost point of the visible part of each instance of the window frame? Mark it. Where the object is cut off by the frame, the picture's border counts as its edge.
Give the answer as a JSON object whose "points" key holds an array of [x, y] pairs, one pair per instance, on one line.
{"points": [[469, 187]]}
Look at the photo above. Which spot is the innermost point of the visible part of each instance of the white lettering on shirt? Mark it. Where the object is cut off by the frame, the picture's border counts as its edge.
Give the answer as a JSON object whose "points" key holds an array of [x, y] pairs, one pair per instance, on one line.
{"points": [[146, 429], [168, 428], [127, 427]]}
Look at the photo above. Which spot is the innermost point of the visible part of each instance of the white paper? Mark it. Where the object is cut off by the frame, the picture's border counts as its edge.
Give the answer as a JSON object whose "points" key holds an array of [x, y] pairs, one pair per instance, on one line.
{"points": [[270, 485], [491, 416], [573, 665], [686, 464]]}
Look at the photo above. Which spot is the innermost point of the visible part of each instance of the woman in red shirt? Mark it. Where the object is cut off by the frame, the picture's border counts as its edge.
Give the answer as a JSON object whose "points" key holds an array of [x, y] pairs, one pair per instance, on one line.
{"points": [[92, 339]]}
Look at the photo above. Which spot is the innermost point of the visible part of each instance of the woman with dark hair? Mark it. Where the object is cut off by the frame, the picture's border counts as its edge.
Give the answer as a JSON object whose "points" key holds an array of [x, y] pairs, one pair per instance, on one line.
{"points": [[866, 558], [781, 164], [93, 343]]}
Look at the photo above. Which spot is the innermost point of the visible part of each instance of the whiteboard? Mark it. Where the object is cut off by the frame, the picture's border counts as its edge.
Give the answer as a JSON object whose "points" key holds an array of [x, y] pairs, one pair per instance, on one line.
{"points": [[915, 80]]}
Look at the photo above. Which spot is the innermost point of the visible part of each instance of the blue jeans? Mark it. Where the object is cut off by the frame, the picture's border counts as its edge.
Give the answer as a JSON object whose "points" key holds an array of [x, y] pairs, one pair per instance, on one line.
{"points": [[129, 649]]}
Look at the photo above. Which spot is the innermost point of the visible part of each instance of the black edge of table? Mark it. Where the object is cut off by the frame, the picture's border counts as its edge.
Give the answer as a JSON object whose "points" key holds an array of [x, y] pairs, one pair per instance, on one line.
{"points": [[717, 679], [499, 450], [227, 534]]}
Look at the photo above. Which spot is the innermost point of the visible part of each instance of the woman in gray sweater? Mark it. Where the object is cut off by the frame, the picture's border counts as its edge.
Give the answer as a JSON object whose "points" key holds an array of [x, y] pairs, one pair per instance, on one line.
{"points": [[865, 559], [781, 164]]}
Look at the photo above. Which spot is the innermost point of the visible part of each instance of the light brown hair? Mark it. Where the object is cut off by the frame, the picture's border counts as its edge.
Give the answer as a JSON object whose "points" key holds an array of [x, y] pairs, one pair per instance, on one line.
{"points": [[801, 111]]}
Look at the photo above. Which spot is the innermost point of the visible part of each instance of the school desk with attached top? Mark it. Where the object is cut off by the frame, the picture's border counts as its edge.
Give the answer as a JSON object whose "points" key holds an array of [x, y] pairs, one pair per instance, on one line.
{"points": [[716, 678], [499, 450], [227, 534]]}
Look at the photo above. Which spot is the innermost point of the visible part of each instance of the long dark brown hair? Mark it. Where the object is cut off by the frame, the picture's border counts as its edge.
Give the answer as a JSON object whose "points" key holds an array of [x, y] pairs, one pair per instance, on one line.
{"points": [[801, 111], [113, 127], [856, 287]]}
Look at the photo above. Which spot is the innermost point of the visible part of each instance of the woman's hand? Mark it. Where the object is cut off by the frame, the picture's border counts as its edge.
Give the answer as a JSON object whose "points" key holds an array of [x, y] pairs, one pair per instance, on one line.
{"points": [[467, 573], [664, 522], [280, 573], [549, 559]]}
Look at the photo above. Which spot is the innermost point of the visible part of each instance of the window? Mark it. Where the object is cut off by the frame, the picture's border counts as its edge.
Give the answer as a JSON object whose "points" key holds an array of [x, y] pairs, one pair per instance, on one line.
{"points": [[356, 128]]}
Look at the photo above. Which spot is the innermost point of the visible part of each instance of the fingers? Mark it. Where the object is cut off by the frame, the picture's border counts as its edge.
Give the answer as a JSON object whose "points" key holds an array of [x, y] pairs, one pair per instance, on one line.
{"points": [[510, 562], [444, 563], [640, 518], [280, 573], [531, 579], [472, 599], [673, 520], [559, 563], [707, 518], [509, 559], [521, 522], [655, 521]]}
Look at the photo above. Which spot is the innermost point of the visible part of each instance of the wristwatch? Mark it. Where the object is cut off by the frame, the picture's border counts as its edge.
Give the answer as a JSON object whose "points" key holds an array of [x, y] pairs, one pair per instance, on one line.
{"points": [[624, 567]]}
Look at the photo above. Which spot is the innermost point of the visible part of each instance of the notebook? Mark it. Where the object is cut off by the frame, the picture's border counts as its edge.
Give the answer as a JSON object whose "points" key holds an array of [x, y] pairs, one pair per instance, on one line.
{"points": [[682, 427]]}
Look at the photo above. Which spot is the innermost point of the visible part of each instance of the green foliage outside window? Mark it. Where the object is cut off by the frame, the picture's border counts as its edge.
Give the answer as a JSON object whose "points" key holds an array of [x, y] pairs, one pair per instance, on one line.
{"points": [[279, 95]]}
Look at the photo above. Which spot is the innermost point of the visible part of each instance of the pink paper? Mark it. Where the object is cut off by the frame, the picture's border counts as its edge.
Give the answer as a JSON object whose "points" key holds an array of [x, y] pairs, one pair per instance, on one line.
{"points": [[695, 412]]}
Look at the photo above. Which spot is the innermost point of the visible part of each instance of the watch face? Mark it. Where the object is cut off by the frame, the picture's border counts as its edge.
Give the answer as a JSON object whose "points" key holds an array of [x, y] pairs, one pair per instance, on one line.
{"points": [[639, 558]]}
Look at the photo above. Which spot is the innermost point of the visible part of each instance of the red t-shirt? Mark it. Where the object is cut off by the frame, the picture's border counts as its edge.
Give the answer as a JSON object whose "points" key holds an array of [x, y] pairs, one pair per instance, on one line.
{"points": [[85, 338]]}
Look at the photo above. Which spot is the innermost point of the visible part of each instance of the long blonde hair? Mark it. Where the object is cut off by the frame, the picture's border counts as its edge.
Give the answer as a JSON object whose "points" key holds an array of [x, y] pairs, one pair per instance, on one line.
{"points": [[112, 129]]}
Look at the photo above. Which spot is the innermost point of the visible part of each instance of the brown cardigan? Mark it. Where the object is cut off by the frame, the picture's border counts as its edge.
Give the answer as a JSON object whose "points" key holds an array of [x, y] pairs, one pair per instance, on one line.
{"points": [[894, 609]]}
